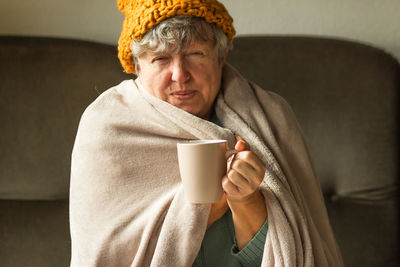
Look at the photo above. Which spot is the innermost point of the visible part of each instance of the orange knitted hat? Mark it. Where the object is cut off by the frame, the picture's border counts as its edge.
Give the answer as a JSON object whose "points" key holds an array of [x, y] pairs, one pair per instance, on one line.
{"points": [[142, 15]]}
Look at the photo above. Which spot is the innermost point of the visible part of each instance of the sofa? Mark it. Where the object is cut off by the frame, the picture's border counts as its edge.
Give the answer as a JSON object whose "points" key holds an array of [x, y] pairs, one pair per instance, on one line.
{"points": [[345, 95]]}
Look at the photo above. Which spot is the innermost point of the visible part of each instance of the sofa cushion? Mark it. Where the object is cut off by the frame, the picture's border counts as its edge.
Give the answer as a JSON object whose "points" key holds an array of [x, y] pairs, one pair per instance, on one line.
{"points": [[34, 233]]}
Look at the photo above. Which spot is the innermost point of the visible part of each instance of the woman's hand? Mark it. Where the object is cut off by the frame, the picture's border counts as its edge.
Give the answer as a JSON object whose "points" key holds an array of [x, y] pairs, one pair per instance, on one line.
{"points": [[241, 185], [245, 174]]}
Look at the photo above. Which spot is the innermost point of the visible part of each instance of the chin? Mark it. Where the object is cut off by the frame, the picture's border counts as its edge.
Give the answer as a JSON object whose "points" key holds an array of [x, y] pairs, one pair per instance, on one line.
{"points": [[194, 112]]}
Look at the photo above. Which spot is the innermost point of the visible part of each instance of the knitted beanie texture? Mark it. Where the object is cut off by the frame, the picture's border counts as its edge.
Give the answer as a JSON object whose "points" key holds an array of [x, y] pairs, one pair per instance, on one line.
{"points": [[142, 15]]}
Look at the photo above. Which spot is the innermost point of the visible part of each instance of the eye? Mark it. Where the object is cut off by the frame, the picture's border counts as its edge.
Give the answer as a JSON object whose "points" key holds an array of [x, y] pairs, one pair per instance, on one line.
{"points": [[159, 59], [197, 53]]}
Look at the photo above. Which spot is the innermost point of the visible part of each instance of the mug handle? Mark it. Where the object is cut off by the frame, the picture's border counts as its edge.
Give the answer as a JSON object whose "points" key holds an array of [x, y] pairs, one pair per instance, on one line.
{"points": [[230, 156]]}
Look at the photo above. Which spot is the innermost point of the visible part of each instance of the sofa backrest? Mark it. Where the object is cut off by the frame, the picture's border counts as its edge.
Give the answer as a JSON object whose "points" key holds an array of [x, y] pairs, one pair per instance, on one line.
{"points": [[345, 95], [45, 86]]}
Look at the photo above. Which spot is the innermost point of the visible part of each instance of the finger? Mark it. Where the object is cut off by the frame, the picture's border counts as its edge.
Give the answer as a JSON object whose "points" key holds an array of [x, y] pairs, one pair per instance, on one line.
{"points": [[238, 138], [243, 168], [229, 187], [240, 145], [251, 159], [238, 180], [245, 177], [253, 177]]}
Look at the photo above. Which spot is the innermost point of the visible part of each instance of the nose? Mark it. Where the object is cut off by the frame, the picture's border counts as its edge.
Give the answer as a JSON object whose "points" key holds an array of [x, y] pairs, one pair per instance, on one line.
{"points": [[180, 73]]}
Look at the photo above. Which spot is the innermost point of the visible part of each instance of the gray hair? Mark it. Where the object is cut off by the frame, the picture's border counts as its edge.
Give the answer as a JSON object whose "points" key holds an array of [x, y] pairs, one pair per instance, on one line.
{"points": [[177, 33]]}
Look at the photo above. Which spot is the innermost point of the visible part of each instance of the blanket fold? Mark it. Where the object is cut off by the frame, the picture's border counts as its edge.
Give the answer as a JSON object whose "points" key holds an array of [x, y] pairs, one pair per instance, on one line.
{"points": [[127, 206]]}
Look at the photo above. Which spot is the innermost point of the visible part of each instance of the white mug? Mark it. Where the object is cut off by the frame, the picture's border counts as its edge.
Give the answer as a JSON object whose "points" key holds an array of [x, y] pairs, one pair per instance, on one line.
{"points": [[202, 164]]}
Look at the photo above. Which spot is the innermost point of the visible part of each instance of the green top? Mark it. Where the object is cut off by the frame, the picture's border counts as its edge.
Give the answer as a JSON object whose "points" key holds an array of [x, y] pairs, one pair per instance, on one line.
{"points": [[219, 246]]}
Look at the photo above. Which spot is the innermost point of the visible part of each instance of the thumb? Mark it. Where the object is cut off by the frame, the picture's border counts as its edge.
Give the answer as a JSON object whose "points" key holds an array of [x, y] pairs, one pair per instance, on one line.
{"points": [[240, 144]]}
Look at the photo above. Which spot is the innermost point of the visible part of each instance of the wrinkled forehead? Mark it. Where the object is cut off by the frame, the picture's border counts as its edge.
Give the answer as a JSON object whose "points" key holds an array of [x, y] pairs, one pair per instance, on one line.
{"points": [[181, 46]]}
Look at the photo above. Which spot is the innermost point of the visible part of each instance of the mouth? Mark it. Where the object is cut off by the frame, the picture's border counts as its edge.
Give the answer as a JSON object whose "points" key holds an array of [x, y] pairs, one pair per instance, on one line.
{"points": [[183, 95]]}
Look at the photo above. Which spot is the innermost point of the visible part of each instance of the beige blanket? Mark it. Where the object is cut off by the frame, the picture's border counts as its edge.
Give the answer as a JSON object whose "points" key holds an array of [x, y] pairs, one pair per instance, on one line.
{"points": [[127, 206]]}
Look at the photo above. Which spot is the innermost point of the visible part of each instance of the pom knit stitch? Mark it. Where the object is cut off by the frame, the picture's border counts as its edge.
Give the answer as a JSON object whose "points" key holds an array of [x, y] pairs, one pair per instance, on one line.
{"points": [[142, 15]]}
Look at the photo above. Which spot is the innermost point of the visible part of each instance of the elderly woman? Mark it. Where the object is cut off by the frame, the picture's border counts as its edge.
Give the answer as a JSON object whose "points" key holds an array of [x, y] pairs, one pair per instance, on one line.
{"points": [[127, 204]]}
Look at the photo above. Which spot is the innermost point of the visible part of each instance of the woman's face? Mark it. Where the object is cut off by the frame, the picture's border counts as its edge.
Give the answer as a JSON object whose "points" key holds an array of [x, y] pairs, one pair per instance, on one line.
{"points": [[189, 80]]}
